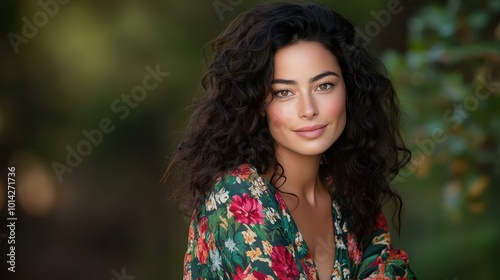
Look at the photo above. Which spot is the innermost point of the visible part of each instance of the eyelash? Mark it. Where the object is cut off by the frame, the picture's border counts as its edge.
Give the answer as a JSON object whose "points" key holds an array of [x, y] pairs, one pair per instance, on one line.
{"points": [[285, 89], [327, 83], [278, 91]]}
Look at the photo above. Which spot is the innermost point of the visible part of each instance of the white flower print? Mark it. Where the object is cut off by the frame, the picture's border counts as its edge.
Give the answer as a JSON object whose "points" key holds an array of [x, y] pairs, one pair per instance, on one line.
{"points": [[271, 215], [346, 272], [210, 204], [216, 259], [222, 196], [230, 245], [340, 244]]}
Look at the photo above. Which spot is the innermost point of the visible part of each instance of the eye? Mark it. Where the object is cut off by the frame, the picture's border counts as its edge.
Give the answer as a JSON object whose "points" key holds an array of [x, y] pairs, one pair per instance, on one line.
{"points": [[325, 86], [282, 93]]}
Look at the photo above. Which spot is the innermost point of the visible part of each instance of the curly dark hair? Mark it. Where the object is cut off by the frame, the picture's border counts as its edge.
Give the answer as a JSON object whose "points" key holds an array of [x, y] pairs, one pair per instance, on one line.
{"points": [[226, 128]]}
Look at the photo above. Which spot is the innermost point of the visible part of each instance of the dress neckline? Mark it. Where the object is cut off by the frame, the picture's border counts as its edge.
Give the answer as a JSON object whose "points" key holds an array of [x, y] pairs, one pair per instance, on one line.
{"points": [[295, 229]]}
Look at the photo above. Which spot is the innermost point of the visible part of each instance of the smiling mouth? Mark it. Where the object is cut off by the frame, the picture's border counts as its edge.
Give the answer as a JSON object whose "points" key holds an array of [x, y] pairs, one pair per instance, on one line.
{"points": [[311, 132]]}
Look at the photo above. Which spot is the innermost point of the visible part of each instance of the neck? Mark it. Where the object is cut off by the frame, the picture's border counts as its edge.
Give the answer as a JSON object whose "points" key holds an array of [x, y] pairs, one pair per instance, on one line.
{"points": [[302, 176]]}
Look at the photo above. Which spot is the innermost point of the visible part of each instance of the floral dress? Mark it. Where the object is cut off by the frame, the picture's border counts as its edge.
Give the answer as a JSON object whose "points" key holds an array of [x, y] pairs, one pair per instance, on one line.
{"points": [[244, 230]]}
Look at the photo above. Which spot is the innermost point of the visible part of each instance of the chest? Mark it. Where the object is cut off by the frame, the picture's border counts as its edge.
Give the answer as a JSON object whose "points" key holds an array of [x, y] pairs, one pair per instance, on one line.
{"points": [[316, 227]]}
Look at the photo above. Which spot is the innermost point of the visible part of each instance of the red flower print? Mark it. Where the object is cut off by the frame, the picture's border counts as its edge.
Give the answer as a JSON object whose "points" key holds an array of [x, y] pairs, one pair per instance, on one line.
{"points": [[203, 225], [260, 276], [247, 210], [377, 262], [240, 273], [381, 223], [246, 275], [281, 202], [283, 263], [380, 276], [191, 232], [308, 265], [398, 255], [243, 171], [201, 250], [354, 253]]}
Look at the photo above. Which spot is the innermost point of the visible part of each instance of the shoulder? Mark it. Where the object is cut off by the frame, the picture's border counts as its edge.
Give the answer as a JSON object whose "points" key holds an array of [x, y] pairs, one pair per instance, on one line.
{"points": [[242, 181], [239, 231], [242, 188], [243, 175]]}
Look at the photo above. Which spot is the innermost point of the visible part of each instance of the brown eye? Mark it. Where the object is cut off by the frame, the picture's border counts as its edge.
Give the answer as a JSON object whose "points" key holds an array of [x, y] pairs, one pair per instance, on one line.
{"points": [[282, 93], [325, 86]]}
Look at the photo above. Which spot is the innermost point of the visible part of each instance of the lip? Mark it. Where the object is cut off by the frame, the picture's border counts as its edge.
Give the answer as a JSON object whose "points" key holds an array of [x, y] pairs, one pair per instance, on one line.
{"points": [[311, 132]]}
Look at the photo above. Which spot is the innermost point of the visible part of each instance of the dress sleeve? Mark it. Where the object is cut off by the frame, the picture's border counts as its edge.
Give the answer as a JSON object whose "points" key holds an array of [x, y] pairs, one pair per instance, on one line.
{"points": [[380, 260], [237, 233]]}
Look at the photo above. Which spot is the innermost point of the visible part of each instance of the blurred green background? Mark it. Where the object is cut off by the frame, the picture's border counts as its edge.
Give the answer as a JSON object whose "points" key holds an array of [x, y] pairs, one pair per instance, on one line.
{"points": [[94, 208]]}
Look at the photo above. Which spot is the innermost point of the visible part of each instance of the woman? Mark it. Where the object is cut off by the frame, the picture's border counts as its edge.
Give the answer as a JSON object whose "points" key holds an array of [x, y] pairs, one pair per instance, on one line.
{"points": [[290, 152]]}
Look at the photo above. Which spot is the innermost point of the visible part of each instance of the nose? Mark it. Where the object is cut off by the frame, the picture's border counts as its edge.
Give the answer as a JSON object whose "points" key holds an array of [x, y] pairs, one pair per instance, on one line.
{"points": [[308, 108]]}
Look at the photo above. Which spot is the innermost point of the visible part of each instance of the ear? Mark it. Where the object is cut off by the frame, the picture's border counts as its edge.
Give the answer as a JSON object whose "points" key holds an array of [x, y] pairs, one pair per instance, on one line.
{"points": [[262, 113]]}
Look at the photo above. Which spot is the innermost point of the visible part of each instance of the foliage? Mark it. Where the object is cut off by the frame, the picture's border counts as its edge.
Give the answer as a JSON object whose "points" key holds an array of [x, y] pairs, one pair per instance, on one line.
{"points": [[449, 81]]}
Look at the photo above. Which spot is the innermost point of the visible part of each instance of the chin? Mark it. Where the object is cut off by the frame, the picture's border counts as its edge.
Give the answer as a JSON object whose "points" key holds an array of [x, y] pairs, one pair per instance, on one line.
{"points": [[313, 151]]}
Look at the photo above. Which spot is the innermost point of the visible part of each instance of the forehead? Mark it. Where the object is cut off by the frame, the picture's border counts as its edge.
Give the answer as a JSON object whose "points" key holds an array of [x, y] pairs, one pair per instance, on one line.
{"points": [[304, 57]]}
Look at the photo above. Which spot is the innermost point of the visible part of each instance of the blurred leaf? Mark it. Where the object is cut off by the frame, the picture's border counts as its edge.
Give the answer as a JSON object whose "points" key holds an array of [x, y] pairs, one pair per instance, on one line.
{"points": [[478, 19]]}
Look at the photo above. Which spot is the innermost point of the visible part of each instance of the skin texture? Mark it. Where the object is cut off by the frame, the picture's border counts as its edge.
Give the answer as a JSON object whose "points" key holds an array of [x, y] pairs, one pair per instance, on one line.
{"points": [[304, 103], [309, 92]]}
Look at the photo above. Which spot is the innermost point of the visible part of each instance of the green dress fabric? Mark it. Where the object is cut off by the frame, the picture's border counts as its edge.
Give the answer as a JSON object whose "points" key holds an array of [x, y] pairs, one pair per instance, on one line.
{"points": [[244, 230]]}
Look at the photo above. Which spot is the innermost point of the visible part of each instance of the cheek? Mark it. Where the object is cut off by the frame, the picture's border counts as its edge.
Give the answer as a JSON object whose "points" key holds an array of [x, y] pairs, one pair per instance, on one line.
{"points": [[277, 117], [335, 107]]}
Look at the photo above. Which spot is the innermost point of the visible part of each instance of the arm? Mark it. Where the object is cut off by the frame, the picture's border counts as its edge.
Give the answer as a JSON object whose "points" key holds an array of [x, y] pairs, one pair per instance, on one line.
{"points": [[380, 260], [238, 233]]}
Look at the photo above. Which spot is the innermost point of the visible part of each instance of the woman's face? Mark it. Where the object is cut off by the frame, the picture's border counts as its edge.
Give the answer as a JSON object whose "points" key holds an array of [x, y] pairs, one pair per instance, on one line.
{"points": [[307, 114]]}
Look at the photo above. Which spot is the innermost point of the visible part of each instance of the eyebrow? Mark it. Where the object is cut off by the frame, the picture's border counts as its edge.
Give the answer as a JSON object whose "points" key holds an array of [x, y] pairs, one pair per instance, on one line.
{"points": [[312, 80]]}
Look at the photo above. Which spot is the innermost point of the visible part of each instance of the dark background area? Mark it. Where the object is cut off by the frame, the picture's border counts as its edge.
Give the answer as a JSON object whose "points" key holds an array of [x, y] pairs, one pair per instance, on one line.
{"points": [[65, 65]]}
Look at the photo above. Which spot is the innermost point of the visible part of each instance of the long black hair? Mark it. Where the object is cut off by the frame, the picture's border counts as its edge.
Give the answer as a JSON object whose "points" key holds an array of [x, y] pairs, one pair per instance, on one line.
{"points": [[226, 128]]}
